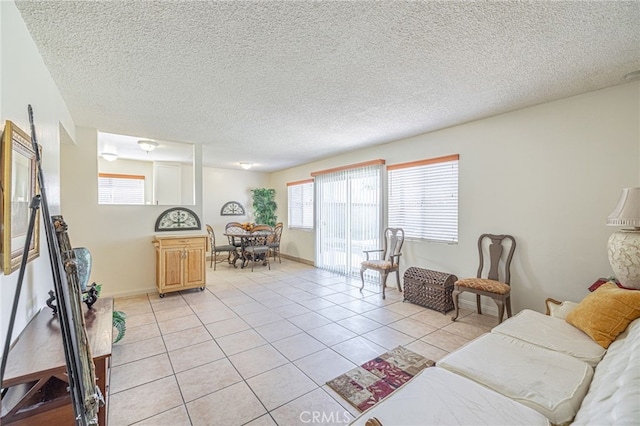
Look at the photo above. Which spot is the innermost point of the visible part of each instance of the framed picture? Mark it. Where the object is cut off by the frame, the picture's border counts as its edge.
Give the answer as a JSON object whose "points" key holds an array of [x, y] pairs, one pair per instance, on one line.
{"points": [[19, 186]]}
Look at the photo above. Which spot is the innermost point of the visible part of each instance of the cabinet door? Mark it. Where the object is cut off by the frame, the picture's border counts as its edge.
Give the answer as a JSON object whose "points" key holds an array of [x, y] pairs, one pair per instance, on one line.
{"points": [[172, 261], [195, 266]]}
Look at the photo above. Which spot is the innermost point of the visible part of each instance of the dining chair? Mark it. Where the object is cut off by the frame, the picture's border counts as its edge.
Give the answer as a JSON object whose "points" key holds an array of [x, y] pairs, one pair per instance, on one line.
{"points": [[257, 245], [215, 249], [389, 260], [232, 227], [274, 245], [500, 249]]}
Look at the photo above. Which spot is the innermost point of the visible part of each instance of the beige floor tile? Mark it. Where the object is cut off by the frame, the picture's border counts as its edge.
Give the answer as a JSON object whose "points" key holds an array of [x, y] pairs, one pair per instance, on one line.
{"points": [[315, 407], [135, 309], [193, 356], [129, 352], [226, 327], [412, 327], [388, 337], [122, 302], [241, 341], [383, 316], [487, 322], [359, 306], [336, 313], [426, 350], [241, 299], [233, 405], [179, 324], [144, 401], [275, 301], [257, 319], [139, 320], [257, 360], [249, 308], [298, 346], [309, 321], [445, 340], [169, 301], [265, 420], [136, 373], [339, 298], [291, 383], [184, 338], [359, 350], [215, 315], [301, 296], [143, 332], [291, 310], [433, 318], [168, 314], [324, 365], [210, 305], [404, 308], [207, 378], [331, 334], [465, 330], [174, 417], [359, 324], [316, 303], [278, 330]]}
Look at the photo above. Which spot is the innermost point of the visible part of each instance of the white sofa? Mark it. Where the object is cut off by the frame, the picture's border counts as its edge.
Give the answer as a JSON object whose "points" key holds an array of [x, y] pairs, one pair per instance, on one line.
{"points": [[532, 369]]}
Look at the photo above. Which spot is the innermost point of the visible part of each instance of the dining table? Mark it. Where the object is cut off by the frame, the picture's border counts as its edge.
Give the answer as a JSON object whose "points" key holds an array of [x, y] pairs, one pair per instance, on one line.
{"points": [[243, 239]]}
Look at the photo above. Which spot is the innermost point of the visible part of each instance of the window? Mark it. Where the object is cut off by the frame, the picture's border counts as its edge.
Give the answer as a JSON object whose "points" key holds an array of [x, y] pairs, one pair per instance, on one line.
{"points": [[423, 198], [301, 204], [120, 189]]}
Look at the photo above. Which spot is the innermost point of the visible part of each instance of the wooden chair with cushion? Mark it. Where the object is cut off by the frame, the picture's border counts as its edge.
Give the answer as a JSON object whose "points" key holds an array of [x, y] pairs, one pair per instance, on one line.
{"points": [[274, 244], [500, 249], [257, 248], [389, 257], [215, 249]]}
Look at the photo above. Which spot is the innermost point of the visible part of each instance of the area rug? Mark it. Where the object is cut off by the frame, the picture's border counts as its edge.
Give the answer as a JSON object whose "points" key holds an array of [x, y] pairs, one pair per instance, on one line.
{"points": [[365, 386]]}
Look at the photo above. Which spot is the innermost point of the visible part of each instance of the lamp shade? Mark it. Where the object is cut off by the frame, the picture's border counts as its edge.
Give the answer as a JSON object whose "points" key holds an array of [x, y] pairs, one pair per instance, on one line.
{"points": [[109, 156], [246, 166], [627, 212]]}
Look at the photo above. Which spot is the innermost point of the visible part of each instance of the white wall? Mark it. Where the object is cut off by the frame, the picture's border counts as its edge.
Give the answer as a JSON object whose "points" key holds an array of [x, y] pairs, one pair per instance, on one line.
{"points": [[549, 175], [223, 185], [24, 80], [119, 237]]}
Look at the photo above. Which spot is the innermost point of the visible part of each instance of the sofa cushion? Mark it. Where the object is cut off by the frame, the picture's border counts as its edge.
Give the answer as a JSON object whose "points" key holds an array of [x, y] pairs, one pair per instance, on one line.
{"points": [[438, 397], [550, 382], [552, 333], [606, 313], [614, 394]]}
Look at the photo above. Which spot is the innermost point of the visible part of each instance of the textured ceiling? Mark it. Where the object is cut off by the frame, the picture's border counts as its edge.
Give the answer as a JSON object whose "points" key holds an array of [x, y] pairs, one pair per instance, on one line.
{"points": [[284, 83]]}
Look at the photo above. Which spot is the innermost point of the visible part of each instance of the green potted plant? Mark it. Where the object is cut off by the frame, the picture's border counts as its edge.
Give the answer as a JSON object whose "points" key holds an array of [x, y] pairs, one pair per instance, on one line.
{"points": [[264, 206]]}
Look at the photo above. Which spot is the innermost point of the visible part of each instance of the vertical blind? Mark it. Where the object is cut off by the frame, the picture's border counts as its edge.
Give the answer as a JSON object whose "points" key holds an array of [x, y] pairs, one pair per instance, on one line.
{"points": [[300, 204], [423, 198], [120, 189], [348, 217]]}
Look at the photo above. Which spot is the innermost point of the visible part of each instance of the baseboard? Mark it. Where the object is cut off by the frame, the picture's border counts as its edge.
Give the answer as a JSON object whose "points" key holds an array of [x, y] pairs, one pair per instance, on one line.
{"points": [[129, 293], [487, 309], [298, 259]]}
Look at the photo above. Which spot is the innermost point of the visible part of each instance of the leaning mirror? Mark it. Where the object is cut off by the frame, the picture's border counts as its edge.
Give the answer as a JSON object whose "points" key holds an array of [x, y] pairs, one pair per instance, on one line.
{"points": [[134, 170]]}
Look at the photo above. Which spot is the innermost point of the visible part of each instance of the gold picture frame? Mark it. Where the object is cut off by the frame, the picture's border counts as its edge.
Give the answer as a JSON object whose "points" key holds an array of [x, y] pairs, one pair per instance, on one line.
{"points": [[19, 186]]}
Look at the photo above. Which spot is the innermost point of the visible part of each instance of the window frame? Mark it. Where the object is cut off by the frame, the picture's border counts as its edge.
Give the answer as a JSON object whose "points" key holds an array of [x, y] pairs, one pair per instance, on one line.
{"points": [[447, 219], [304, 190]]}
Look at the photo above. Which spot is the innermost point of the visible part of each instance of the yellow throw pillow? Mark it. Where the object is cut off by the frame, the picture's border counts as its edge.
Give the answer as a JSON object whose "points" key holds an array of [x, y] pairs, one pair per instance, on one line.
{"points": [[606, 313]]}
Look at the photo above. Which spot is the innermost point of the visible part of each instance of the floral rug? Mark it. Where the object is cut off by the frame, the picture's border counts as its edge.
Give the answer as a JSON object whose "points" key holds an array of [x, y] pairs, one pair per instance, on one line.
{"points": [[375, 380]]}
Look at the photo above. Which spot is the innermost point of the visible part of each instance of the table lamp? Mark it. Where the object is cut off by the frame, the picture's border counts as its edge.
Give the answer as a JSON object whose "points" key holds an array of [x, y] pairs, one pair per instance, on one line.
{"points": [[624, 245]]}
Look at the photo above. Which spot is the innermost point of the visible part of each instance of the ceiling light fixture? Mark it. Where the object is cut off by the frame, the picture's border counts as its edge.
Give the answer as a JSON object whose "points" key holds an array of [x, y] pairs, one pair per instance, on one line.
{"points": [[147, 145], [633, 75], [246, 166], [109, 156]]}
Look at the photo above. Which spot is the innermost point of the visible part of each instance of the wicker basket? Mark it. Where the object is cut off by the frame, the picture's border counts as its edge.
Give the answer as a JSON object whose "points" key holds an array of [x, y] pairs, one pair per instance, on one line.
{"points": [[431, 289]]}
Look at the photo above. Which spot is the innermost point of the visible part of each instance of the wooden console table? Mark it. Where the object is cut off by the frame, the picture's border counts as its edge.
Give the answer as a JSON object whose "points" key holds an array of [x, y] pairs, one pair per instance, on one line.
{"points": [[36, 372]]}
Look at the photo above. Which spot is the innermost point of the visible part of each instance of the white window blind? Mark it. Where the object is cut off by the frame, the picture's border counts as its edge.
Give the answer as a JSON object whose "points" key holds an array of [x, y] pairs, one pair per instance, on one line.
{"points": [[423, 198], [301, 204], [120, 189]]}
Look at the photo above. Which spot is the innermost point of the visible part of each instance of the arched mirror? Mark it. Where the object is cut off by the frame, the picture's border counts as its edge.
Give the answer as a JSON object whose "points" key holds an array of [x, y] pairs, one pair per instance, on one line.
{"points": [[135, 170]]}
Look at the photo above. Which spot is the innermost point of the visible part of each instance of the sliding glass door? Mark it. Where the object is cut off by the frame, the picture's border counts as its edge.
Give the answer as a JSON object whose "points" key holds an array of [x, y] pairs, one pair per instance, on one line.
{"points": [[349, 217]]}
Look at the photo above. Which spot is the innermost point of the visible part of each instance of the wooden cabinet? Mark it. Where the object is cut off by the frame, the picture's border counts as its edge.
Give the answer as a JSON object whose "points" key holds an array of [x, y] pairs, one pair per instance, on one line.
{"points": [[36, 372], [180, 262]]}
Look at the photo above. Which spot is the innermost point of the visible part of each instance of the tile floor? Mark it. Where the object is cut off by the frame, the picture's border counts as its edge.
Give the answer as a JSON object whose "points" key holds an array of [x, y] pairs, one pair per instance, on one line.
{"points": [[256, 348]]}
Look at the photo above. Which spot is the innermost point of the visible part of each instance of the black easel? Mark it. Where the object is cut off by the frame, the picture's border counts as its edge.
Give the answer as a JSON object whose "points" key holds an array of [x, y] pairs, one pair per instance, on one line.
{"points": [[84, 398]]}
